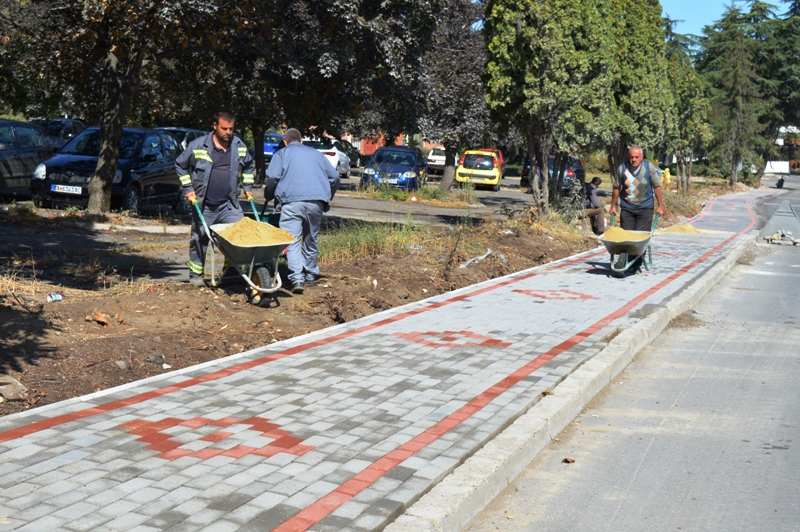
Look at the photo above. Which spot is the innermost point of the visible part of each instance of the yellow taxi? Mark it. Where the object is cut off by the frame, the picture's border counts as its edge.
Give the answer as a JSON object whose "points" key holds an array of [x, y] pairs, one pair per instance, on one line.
{"points": [[481, 168]]}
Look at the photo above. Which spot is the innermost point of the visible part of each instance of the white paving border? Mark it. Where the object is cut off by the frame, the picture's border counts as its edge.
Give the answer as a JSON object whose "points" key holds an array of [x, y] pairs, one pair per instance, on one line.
{"points": [[455, 501]]}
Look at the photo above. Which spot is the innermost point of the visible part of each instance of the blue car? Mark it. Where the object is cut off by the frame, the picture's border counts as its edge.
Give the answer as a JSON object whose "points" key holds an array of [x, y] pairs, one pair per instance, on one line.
{"points": [[271, 141], [396, 166]]}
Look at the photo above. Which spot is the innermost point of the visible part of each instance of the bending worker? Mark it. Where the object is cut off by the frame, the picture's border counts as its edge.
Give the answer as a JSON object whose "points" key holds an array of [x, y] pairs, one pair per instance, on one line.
{"points": [[209, 171], [592, 208], [304, 183], [637, 185]]}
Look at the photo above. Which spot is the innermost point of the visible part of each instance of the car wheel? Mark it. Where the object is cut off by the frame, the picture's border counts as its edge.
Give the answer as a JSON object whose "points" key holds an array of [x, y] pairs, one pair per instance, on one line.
{"points": [[41, 203], [132, 199]]}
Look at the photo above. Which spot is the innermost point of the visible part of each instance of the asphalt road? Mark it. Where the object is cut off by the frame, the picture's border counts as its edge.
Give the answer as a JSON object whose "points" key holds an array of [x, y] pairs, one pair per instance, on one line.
{"points": [[701, 432]]}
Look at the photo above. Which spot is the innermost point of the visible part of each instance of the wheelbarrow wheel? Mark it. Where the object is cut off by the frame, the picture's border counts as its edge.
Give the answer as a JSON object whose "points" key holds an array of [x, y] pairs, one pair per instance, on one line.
{"points": [[620, 264], [261, 279]]}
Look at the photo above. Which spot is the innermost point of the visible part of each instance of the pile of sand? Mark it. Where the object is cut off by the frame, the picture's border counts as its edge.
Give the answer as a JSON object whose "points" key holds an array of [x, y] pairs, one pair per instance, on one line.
{"points": [[615, 234], [248, 232], [687, 229]]}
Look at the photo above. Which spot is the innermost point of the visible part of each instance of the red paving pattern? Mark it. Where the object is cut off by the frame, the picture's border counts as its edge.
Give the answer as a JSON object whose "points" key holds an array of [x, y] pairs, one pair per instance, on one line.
{"points": [[563, 295], [452, 339], [152, 432]]}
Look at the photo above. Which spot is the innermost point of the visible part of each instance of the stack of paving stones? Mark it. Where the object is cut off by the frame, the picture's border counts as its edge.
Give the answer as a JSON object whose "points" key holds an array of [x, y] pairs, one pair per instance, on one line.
{"points": [[340, 429]]}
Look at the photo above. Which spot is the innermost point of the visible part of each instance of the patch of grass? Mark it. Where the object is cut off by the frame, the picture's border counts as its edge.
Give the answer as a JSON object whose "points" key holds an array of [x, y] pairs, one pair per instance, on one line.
{"points": [[384, 192], [682, 203], [355, 240]]}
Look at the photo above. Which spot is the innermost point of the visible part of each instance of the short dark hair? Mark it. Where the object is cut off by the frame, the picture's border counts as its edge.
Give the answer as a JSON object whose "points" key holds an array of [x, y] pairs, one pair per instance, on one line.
{"points": [[596, 181], [292, 135], [224, 114]]}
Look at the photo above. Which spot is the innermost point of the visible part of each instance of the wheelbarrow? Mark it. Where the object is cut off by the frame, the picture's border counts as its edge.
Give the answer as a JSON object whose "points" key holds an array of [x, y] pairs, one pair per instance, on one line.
{"points": [[625, 254], [260, 261]]}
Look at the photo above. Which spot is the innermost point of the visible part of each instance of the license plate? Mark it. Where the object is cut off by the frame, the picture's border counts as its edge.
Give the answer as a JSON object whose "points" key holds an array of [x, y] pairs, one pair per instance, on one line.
{"points": [[481, 181], [66, 189], [392, 181]]}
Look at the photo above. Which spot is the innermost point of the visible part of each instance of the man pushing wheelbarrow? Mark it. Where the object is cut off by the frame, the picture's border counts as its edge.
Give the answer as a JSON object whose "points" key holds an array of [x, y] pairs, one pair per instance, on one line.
{"points": [[637, 186]]}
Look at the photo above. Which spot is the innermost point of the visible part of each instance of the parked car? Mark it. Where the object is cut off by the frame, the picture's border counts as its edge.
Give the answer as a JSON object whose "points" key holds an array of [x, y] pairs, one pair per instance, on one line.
{"points": [[334, 152], [573, 176], [396, 166], [524, 181], [500, 160], [145, 171], [479, 168], [59, 130], [23, 146], [271, 143], [352, 152], [436, 160], [183, 135]]}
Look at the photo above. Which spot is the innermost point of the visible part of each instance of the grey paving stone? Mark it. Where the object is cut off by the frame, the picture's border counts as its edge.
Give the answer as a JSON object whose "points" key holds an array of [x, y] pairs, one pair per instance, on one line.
{"points": [[269, 519]]}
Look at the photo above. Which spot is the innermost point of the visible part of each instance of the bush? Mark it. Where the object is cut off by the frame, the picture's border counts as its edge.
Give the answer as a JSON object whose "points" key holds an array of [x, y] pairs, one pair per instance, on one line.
{"points": [[596, 163]]}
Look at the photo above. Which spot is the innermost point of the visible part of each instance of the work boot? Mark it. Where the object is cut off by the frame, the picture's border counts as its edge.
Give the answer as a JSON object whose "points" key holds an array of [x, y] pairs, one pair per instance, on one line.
{"points": [[310, 279], [196, 281], [298, 288]]}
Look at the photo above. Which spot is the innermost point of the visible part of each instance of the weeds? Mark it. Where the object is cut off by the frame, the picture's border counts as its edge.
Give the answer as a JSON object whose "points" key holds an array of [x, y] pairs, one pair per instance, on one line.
{"points": [[354, 240]]}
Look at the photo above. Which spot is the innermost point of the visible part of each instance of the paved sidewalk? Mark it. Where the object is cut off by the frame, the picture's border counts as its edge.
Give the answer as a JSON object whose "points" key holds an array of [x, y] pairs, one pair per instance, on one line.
{"points": [[342, 429]]}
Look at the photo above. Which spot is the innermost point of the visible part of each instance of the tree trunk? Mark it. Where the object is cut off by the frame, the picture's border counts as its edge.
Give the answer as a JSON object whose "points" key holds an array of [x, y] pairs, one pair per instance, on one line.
{"points": [[689, 162], [449, 174], [735, 168], [680, 167], [117, 96], [543, 143]]}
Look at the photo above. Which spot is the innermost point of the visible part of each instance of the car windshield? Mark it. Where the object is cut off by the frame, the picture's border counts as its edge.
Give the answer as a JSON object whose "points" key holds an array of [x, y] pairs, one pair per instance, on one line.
{"points": [[178, 134], [272, 139], [394, 157], [88, 144], [52, 127], [438, 152], [318, 144], [478, 161]]}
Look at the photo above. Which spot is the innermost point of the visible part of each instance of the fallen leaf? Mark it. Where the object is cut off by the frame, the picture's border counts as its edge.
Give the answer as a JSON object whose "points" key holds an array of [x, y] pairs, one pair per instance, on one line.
{"points": [[547, 392], [100, 318], [568, 461], [509, 517]]}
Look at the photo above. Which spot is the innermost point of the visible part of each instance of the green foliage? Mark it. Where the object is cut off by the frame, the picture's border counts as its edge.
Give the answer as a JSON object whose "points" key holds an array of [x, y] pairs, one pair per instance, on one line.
{"points": [[728, 63], [548, 72], [641, 106]]}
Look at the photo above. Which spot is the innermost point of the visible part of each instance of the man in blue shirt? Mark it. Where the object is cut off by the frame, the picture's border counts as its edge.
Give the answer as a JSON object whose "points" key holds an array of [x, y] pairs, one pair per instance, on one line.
{"points": [[304, 183]]}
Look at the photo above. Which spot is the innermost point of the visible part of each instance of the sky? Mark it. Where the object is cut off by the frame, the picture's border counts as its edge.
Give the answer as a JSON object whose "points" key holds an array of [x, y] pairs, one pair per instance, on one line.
{"points": [[695, 14]]}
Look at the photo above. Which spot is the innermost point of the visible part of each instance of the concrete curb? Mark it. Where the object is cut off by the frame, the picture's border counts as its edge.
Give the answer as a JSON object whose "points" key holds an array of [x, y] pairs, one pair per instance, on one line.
{"points": [[453, 503], [155, 229]]}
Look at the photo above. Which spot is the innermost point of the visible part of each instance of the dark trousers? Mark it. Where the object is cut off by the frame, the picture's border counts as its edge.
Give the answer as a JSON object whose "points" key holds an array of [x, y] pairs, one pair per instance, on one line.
{"points": [[598, 220], [636, 219], [198, 239]]}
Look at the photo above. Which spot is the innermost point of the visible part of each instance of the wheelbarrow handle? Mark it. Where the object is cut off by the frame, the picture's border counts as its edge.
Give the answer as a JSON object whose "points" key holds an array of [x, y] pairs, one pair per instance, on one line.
{"points": [[200, 215], [253, 206], [611, 221], [655, 223]]}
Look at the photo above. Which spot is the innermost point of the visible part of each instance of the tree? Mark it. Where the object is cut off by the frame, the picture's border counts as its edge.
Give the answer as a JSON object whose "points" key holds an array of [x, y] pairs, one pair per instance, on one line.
{"points": [[452, 92], [548, 64], [309, 53], [727, 62], [691, 107], [640, 110]]}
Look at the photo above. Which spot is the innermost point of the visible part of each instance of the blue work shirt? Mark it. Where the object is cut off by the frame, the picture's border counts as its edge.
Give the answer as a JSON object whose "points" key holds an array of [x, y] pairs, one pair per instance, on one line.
{"points": [[301, 173]]}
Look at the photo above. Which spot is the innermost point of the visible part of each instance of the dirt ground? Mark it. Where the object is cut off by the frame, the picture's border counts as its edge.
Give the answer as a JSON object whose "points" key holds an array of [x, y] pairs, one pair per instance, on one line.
{"points": [[113, 327]]}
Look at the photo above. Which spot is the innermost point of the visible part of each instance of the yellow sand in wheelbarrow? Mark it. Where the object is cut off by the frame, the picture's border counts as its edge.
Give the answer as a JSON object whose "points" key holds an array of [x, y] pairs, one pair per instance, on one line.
{"points": [[626, 247], [252, 248]]}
